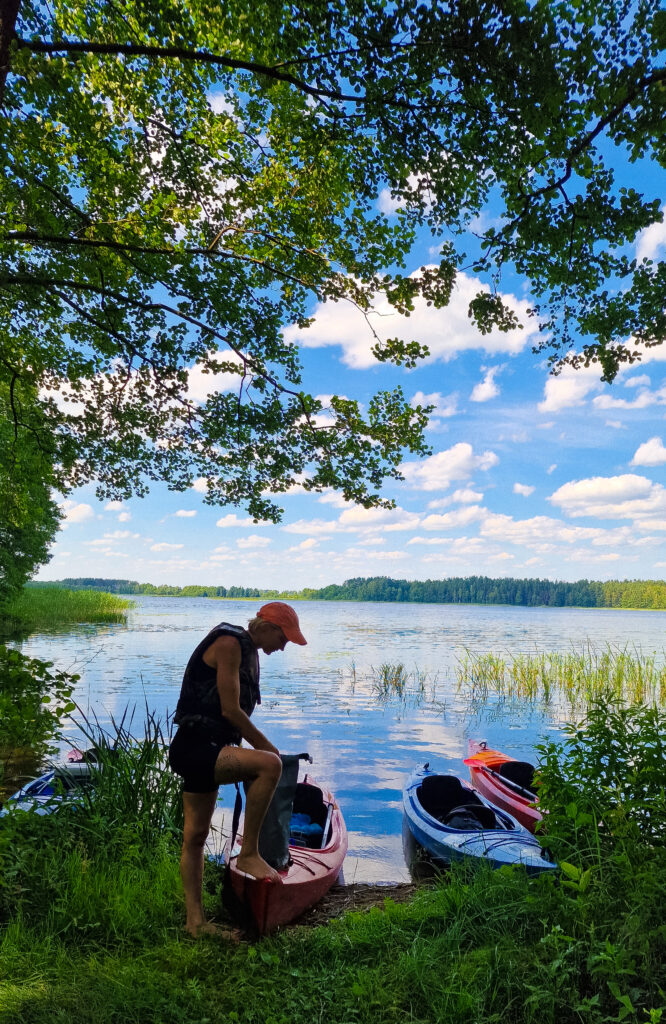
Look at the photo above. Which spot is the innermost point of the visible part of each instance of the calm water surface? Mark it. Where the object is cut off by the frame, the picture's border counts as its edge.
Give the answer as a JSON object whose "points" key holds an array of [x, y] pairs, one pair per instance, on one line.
{"points": [[320, 698]]}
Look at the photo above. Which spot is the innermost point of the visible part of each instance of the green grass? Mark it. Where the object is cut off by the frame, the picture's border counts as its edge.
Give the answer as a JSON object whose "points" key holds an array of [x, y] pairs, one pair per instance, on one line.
{"points": [[50, 606], [91, 911]]}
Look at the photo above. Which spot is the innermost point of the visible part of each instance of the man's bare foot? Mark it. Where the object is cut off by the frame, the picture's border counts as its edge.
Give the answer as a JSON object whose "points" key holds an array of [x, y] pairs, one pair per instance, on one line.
{"points": [[253, 864], [220, 931]]}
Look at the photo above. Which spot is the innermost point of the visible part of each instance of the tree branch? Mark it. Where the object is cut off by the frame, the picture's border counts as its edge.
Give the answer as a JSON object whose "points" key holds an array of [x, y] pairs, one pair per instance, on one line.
{"points": [[202, 56], [96, 243]]}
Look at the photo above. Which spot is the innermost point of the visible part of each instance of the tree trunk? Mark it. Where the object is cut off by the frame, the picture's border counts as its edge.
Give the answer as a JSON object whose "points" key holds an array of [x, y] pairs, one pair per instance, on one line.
{"points": [[8, 14]]}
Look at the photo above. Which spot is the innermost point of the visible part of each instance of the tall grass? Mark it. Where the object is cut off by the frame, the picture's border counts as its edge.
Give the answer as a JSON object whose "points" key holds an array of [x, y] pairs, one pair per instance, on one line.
{"points": [[91, 915], [578, 677], [49, 606], [393, 681]]}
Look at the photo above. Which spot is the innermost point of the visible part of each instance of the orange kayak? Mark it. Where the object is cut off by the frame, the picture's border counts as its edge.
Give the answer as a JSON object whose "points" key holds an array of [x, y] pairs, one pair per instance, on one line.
{"points": [[505, 781], [316, 861]]}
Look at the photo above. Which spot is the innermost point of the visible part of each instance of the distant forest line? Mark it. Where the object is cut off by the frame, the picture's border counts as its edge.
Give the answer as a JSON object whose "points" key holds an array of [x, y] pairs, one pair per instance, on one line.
{"points": [[456, 590]]}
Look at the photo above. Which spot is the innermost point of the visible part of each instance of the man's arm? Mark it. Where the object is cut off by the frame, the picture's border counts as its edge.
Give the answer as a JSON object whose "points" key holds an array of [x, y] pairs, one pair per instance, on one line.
{"points": [[224, 655]]}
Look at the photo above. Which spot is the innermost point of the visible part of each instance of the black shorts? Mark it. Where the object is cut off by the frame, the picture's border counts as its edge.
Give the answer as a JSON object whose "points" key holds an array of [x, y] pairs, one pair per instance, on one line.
{"points": [[192, 754]]}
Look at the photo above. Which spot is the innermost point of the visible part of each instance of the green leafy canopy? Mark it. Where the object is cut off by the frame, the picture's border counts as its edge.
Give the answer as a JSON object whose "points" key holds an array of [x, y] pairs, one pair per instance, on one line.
{"points": [[181, 181]]}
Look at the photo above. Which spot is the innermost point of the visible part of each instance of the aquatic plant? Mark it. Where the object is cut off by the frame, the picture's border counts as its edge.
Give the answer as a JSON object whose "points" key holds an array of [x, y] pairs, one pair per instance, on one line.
{"points": [[48, 606], [579, 677]]}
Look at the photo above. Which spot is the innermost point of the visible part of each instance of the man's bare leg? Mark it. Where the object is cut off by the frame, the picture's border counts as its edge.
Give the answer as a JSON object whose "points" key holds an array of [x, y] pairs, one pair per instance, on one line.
{"points": [[198, 809], [261, 770]]}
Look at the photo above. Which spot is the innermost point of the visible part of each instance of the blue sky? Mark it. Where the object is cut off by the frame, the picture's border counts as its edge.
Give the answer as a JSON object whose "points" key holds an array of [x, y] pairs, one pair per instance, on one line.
{"points": [[531, 475]]}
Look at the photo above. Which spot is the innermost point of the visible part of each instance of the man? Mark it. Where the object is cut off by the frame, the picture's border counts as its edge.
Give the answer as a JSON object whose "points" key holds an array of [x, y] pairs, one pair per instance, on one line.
{"points": [[219, 693]]}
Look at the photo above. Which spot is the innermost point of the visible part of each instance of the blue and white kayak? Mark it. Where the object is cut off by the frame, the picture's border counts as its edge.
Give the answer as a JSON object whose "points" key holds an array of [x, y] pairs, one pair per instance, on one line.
{"points": [[451, 821], [43, 794]]}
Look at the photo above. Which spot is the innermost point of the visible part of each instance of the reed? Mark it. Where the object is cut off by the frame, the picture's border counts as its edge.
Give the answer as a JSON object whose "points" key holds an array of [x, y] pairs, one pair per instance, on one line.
{"points": [[577, 677], [50, 606]]}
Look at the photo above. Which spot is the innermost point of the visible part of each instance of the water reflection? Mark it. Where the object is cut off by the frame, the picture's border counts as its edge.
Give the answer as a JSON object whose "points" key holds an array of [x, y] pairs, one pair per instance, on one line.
{"points": [[320, 698]]}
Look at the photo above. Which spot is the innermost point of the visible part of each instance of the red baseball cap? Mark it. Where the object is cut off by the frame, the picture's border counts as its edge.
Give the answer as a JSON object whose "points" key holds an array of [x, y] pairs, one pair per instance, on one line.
{"points": [[284, 616]]}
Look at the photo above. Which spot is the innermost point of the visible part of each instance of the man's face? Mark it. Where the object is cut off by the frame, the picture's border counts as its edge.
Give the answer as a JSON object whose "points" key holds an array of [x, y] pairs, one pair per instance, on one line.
{"points": [[273, 639]]}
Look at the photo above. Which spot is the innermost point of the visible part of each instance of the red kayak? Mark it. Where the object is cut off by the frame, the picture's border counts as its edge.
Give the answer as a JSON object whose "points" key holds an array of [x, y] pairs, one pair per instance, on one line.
{"points": [[504, 781], [316, 859]]}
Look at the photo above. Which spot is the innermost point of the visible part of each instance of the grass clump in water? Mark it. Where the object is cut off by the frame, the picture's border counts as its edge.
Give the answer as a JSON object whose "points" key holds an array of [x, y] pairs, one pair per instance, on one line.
{"points": [[50, 606], [578, 677]]}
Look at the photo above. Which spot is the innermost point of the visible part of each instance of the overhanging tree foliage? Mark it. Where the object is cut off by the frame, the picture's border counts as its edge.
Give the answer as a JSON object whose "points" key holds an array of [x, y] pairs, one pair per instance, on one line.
{"points": [[29, 517], [182, 179]]}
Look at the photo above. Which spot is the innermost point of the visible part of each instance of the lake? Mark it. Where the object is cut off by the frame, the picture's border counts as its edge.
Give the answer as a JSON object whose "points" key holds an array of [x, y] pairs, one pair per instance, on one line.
{"points": [[321, 698]]}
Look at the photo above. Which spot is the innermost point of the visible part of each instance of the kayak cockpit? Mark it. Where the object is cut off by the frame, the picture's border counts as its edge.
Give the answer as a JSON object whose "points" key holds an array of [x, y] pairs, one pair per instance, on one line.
{"points": [[445, 798], [519, 774], [310, 824]]}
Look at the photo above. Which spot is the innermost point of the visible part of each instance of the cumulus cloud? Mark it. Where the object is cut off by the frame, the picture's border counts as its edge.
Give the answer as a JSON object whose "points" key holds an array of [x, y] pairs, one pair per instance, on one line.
{"points": [[114, 506], [445, 405], [650, 453], [201, 384], [487, 388], [652, 239], [185, 513], [359, 518], [642, 381], [453, 520], [232, 520], [643, 400], [570, 388], [461, 496], [524, 489], [447, 332], [253, 541], [163, 546], [626, 496], [75, 512], [438, 471]]}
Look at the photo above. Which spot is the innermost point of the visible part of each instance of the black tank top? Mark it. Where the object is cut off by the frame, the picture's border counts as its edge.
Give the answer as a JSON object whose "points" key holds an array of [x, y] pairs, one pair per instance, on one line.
{"points": [[199, 701]]}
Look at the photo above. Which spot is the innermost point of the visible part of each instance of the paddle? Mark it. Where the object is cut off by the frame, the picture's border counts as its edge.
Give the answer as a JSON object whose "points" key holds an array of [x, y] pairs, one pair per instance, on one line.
{"points": [[512, 785]]}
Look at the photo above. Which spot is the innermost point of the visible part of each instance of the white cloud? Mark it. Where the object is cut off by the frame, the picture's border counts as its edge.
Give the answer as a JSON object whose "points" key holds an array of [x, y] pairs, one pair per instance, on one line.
{"points": [[651, 239], [642, 381], [487, 388], [462, 496], [650, 453], [200, 485], [184, 513], [452, 520], [445, 406], [124, 517], [75, 512], [253, 541], [447, 332], [551, 468], [114, 506], [644, 399], [201, 384], [524, 489], [626, 496], [232, 520], [166, 547], [312, 526], [359, 518], [438, 471], [219, 104], [570, 388]]}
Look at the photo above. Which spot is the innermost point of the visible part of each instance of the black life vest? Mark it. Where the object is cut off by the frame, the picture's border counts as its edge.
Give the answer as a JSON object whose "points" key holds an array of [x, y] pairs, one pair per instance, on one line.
{"points": [[199, 701]]}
